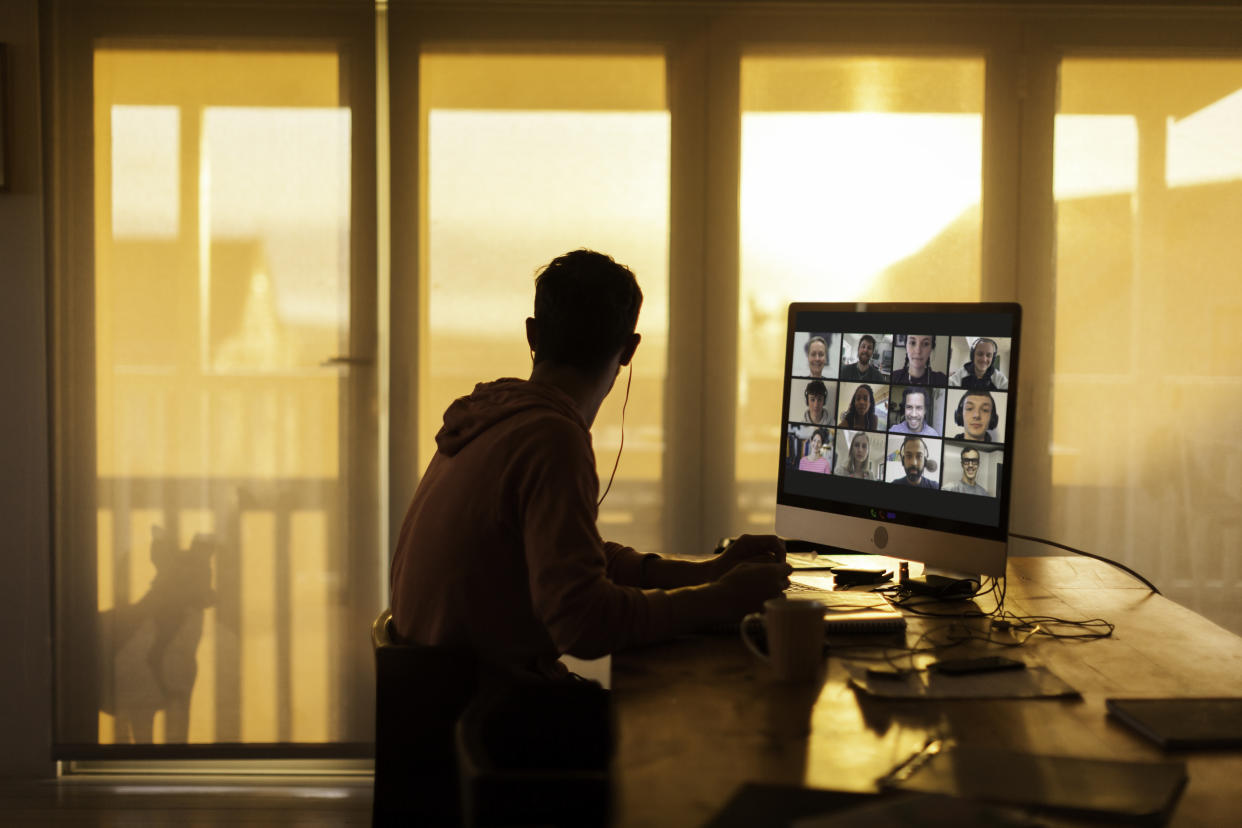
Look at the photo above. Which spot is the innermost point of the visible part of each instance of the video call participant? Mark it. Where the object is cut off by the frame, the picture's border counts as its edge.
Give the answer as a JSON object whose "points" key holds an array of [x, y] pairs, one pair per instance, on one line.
{"points": [[816, 394], [857, 462], [970, 474], [816, 458], [864, 370], [816, 355], [861, 412], [976, 411], [510, 500], [980, 370], [918, 370], [914, 461], [916, 404]]}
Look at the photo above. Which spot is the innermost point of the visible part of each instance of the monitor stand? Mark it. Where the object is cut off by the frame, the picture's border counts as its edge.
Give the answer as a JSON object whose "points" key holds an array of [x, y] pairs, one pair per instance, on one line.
{"points": [[941, 583]]}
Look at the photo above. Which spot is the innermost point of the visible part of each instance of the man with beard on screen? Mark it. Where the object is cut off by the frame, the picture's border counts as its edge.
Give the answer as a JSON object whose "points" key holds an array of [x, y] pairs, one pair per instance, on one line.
{"points": [[914, 460]]}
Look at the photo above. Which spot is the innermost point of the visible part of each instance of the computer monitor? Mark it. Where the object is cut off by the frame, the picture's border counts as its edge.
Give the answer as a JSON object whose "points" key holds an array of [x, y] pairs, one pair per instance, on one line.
{"points": [[897, 430]]}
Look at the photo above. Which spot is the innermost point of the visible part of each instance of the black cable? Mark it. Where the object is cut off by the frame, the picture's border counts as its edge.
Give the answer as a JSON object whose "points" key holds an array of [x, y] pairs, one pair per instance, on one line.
{"points": [[1108, 561], [628, 379]]}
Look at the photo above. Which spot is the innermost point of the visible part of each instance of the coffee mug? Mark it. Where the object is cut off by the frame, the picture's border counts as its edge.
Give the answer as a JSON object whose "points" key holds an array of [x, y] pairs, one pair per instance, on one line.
{"points": [[795, 631]]}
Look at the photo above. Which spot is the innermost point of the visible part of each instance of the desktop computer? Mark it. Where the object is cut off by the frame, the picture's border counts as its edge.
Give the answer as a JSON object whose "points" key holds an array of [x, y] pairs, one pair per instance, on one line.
{"points": [[897, 431]]}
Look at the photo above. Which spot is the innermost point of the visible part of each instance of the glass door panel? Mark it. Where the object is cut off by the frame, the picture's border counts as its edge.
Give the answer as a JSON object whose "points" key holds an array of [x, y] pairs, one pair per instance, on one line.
{"points": [[222, 296], [861, 179], [1148, 186], [526, 157]]}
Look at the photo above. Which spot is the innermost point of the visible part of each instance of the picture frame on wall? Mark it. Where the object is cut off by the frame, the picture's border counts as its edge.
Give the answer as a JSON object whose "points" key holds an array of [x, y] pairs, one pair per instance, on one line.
{"points": [[4, 119]]}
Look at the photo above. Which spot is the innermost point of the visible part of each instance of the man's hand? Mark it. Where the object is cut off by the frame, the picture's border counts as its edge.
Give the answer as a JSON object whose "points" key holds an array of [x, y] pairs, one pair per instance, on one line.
{"points": [[748, 549], [747, 585]]}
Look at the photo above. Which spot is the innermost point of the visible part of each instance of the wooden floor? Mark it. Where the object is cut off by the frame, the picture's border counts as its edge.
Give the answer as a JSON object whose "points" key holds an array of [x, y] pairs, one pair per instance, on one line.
{"points": [[196, 801]]}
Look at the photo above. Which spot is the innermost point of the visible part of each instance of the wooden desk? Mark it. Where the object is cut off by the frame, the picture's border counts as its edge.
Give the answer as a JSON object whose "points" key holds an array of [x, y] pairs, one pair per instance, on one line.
{"points": [[700, 716]]}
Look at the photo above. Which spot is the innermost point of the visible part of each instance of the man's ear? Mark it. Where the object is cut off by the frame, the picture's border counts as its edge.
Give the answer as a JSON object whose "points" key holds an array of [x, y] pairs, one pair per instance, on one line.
{"points": [[532, 334], [627, 353]]}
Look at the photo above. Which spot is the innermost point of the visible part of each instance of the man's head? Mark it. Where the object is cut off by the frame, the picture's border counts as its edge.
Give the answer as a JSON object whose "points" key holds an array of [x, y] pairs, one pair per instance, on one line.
{"points": [[982, 354], [914, 402], [918, 352], [866, 348], [816, 355], [913, 458], [586, 309], [816, 395], [970, 465], [976, 412]]}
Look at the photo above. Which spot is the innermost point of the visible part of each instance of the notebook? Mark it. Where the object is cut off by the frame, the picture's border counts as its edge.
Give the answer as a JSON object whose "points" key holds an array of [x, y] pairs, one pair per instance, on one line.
{"points": [[1180, 724], [1139, 793], [845, 611], [849, 611]]}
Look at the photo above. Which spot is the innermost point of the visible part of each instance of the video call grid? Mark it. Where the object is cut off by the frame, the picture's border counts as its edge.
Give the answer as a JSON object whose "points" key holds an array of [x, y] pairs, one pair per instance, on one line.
{"points": [[969, 381]]}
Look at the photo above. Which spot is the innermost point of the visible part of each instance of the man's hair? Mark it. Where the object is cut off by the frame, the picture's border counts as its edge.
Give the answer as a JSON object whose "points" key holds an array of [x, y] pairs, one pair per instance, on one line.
{"points": [[816, 388], [925, 393], [865, 337], [978, 456], [912, 439], [586, 308]]}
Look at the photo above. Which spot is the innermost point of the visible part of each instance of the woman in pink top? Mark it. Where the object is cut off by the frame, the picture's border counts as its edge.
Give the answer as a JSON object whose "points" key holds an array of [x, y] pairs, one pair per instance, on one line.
{"points": [[815, 459]]}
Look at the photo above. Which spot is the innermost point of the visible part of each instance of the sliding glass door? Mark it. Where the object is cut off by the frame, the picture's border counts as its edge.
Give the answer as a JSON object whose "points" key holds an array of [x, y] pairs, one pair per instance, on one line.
{"points": [[217, 575]]}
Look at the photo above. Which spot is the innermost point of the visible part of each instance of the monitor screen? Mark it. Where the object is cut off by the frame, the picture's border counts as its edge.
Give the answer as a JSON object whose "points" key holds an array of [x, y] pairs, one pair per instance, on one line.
{"points": [[897, 430]]}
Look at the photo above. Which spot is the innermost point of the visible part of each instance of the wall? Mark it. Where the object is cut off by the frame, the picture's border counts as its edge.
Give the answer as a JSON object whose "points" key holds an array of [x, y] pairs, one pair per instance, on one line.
{"points": [[25, 551]]}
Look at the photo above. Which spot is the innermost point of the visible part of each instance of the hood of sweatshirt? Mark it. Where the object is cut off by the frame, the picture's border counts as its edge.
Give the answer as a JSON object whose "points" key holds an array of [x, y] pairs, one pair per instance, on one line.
{"points": [[492, 402]]}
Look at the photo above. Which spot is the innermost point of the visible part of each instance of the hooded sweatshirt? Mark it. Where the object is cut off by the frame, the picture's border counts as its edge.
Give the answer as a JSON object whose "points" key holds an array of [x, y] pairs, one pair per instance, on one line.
{"points": [[499, 551]]}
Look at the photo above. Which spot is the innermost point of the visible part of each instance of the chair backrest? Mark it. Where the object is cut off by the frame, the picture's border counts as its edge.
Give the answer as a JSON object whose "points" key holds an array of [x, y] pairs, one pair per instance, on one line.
{"points": [[537, 754], [420, 692]]}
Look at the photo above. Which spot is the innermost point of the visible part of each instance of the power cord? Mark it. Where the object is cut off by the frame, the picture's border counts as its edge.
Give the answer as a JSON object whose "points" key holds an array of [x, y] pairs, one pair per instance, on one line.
{"points": [[628, 379], [1108, 561]]}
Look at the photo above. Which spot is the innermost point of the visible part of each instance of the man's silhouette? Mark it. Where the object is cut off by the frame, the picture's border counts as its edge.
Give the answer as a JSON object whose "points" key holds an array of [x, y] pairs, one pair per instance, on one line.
{"points": [[499, 551]]}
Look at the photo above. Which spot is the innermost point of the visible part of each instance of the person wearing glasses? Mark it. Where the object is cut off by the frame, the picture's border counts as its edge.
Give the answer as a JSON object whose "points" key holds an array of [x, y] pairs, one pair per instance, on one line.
{"points": [[970, 475]]}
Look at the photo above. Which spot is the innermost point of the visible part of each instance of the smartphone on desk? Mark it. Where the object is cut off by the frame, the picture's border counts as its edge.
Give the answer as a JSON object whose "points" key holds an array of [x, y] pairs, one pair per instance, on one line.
{"points": [[983, 664]]}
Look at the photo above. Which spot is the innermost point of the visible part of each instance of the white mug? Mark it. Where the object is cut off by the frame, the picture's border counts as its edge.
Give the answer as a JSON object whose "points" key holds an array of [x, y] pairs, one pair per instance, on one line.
{"points": [[795, 637]]}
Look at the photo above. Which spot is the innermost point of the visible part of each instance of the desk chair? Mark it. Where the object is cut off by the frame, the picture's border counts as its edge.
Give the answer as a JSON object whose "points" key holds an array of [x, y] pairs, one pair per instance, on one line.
{"points": [[537, 753], [420, 692]]}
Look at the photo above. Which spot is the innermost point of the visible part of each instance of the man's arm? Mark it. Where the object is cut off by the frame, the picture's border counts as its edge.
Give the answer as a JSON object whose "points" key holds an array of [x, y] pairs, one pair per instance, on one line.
{"points": [[586, 612], [650, 571]]}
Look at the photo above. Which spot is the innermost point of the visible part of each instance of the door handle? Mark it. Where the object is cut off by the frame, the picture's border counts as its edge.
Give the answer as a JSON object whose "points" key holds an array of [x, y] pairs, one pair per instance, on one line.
{"points": [[345, 359]]}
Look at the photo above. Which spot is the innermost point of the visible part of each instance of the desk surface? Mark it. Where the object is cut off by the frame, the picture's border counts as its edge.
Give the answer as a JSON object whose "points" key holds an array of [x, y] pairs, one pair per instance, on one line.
{"points": [[700, 716]]}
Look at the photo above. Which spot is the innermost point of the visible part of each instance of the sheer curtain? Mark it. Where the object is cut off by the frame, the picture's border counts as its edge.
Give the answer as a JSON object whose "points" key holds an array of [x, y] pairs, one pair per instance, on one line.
{"points": [[217, 550], [1147, 386], [861, 180]]}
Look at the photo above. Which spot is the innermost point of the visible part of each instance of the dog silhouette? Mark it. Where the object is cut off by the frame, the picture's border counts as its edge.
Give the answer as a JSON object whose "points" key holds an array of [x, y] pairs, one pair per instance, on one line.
{"points": [[149, 648]]}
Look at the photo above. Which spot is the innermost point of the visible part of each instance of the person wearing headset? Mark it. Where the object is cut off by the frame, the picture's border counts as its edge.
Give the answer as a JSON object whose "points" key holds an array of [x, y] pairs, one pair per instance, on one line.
{"points": [[914, 460], [981, 371], [816, 395], [816, 458], [916, 403], [969, 484], [865, 369], [861, 412], [816, 355], [976, 412], [918, 370]]}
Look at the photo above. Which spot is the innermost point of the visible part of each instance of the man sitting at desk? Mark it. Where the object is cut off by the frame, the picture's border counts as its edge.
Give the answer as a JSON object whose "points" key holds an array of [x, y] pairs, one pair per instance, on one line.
{"points": [[499, 551]]}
